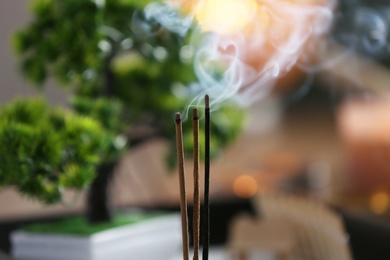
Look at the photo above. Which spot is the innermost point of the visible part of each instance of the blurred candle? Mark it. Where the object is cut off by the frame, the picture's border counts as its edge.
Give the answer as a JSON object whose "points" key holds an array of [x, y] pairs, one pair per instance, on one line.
{"points": [[365, 130]]}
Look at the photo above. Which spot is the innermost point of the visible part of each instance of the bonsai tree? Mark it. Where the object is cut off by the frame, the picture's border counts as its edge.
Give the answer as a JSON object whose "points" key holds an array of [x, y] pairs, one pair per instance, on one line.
{"points": [[110, 56], [45, 151]]}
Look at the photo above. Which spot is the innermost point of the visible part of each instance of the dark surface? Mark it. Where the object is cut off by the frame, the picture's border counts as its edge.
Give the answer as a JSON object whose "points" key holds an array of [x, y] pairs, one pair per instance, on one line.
{"points": [[98, 197], [4, 257], [6, 227], [369, 238], [221, 214]]}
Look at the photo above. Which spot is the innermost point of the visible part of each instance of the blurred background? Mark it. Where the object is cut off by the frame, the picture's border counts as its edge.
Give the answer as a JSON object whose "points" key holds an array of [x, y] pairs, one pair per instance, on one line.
{"points": [[323, 134]]}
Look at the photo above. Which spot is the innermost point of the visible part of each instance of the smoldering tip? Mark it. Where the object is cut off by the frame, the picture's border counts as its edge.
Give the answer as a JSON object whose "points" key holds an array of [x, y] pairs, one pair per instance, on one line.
{"points": [[177, 117], [207, 101], [195, 114]]}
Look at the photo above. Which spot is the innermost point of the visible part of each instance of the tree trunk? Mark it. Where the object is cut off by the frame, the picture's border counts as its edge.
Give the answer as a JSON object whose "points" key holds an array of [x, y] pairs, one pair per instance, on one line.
{"points": [[98, 197], [109, 77]]}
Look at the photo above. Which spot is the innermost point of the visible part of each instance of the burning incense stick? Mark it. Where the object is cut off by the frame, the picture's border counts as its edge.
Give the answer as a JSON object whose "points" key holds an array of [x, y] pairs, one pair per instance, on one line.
{"points": [[206, 211], [196, 207], [182, 180]]}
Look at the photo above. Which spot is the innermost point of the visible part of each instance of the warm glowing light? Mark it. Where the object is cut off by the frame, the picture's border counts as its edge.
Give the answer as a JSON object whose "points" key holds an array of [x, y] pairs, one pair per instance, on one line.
{"points": [[226, 16], [379, 202], [245, 186], [257, 42]]}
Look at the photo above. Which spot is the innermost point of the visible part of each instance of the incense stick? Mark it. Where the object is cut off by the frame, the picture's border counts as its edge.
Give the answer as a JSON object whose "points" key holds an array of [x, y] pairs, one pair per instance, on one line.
{"points": [[182, 180], [196, 207], [206, 211]]}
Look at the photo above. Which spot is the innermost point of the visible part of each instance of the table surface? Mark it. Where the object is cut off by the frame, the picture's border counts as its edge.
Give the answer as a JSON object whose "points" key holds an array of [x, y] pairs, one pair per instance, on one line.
{"points": [[216, 253], [220, 253]]}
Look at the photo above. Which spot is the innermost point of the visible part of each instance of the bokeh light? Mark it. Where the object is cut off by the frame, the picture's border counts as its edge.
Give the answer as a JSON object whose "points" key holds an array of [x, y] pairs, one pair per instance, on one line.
{"points": [[245, 186]]}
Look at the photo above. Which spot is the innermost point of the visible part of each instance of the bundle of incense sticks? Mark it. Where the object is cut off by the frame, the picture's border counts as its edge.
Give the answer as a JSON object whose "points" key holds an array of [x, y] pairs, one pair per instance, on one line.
{"points": [[182, 181]]}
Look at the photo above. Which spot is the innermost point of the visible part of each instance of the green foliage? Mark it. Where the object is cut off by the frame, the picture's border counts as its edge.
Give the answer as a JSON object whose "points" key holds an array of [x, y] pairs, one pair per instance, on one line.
{"points": [[226, 124], [112, 57], [24, 112], [71, 40], [107, 111], [53, 33], [46, 151]]}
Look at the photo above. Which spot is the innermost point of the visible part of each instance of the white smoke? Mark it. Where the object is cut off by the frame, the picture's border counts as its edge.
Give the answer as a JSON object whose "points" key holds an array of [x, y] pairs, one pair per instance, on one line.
{"points": [[246, 65], [365, 29]]}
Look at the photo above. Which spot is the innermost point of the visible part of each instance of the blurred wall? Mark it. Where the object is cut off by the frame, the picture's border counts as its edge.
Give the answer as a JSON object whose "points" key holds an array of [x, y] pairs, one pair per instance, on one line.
{"points": [[15, 15]]}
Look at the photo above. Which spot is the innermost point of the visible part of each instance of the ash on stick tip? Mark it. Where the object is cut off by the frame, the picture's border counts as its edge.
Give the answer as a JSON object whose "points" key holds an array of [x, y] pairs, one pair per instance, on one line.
{"points": [[207, 101], [177, 117], [195, 114]]}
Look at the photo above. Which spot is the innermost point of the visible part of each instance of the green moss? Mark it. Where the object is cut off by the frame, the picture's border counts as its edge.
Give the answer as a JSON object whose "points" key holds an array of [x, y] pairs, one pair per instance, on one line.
{"points": [[79, 226]]}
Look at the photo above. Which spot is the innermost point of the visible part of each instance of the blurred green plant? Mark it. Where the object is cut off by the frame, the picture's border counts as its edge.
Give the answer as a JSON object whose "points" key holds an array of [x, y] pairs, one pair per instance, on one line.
{"points": [[108, 51], [45, 151], [125, 71]]}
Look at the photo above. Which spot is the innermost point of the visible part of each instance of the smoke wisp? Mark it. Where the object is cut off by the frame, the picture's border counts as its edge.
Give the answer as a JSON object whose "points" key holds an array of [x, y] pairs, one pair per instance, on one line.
{"points": [[242, 47]]}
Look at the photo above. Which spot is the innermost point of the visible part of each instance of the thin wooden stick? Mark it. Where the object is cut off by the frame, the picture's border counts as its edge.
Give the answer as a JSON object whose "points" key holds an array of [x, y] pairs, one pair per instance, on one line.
{"points": [[206, 211], [182, 180], [196, 207]]}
